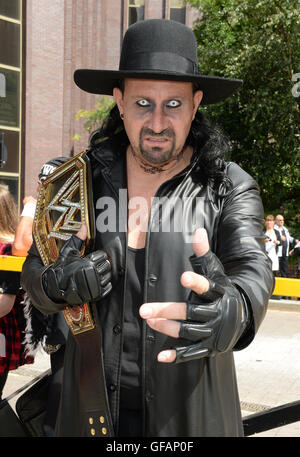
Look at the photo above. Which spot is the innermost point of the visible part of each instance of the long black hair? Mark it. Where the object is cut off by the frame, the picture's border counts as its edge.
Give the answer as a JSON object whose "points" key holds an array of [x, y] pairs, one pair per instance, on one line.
{"points": [[211, 146], [209, 143]]}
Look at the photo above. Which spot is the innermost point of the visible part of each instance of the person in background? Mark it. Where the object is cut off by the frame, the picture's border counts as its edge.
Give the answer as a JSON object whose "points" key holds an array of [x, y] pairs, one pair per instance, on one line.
{"points": [[48, 330], [12, 319], [272, 240], [23, 235], [283, 250], [295, 252]]}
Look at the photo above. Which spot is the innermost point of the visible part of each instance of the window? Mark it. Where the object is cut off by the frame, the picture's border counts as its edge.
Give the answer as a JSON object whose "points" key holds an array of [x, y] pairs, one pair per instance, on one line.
{"points": [[10, 102], [177, 10], [2, 85], [11, 143], [10, 93], [10, 43], [10, 8], [136, 11]]}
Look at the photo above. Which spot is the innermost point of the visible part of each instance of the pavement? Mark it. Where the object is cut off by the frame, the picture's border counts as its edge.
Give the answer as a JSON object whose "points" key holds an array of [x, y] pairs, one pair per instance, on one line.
{"points": [[268, 370]]}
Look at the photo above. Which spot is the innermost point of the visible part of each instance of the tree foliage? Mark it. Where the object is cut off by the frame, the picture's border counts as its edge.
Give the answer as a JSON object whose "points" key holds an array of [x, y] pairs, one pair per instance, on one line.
{"points": [[257, 41], [94, 117]]}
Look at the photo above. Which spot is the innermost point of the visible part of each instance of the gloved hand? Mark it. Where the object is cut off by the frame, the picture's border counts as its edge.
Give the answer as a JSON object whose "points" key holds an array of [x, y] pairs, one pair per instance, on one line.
{"points": [[214, 319], [214, 316], [75, 280]]}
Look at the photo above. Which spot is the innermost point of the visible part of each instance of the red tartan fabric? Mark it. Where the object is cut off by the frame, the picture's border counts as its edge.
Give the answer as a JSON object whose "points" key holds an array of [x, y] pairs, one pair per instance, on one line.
{"points": [[12, 326]]}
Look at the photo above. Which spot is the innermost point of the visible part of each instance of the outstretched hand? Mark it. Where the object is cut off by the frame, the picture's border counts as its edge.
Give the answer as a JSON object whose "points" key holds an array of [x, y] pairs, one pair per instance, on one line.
{"points": [[163, 317]]}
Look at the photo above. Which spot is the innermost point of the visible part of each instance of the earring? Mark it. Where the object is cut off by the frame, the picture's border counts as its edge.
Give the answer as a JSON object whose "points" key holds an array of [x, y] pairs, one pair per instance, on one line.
{"points": [[121, 116]]}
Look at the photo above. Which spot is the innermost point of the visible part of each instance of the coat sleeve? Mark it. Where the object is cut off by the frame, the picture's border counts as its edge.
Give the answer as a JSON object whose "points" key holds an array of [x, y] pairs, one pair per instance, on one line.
{"points": [[31, 282], [241, 248]]}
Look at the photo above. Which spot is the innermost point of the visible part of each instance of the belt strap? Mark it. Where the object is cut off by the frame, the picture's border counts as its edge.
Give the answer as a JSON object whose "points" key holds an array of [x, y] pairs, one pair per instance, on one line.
{"points": [[92, 386]]}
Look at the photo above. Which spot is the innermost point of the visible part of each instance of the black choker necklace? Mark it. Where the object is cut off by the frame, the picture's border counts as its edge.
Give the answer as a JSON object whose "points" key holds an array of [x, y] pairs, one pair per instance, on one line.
{"points": [[153, 169]]}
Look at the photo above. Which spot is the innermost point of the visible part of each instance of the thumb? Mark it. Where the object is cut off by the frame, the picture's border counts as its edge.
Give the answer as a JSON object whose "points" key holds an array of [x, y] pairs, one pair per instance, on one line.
{"points": [[200, 242], [82, 232]]}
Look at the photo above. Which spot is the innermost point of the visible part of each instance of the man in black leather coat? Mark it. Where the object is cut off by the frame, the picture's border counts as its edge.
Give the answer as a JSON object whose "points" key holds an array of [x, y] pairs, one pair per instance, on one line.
{"points": [[189, 279]]}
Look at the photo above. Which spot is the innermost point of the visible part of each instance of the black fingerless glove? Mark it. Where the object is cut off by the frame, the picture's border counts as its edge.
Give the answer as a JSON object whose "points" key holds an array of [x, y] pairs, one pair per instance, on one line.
{"points": [[75, 280], [215, 319]]}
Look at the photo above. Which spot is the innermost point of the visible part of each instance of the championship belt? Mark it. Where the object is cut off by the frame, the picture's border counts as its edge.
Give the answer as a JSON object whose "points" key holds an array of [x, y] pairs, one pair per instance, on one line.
{"points": [[65, 202]]}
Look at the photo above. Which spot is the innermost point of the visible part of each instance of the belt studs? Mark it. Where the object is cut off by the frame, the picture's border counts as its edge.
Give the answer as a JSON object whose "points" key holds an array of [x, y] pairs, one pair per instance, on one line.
{"points": [[94, 431]]}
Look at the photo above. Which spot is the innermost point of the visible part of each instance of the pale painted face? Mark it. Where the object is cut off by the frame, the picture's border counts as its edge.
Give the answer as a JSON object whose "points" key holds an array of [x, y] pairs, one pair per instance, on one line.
{"points": [[157, 117]]}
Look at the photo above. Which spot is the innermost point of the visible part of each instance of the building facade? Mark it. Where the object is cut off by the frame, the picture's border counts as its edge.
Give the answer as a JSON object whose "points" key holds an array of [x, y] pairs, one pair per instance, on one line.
{"points": [[42, 42]]}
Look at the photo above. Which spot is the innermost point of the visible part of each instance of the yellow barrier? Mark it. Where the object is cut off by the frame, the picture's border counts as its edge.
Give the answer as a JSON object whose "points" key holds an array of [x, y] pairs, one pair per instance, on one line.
{"points": [[11, 263], [289, 287]]}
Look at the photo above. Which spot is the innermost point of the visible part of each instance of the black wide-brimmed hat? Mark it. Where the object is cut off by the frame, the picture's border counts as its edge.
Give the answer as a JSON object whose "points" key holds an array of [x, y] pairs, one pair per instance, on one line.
{"points": [[158, 49]]}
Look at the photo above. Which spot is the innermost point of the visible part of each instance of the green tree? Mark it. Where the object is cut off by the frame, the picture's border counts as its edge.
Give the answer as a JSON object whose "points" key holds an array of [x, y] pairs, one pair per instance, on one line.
{"points": [[259, 42], [94, 117]]}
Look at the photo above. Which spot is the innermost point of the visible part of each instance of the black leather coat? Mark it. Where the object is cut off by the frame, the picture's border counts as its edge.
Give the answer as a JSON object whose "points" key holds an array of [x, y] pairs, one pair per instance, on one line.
{"points": [[195, 398]]}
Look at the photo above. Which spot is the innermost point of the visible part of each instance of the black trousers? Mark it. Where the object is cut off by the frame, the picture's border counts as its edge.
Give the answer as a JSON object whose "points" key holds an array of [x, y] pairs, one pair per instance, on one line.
{"points": [[284, 266], [130, 422]]}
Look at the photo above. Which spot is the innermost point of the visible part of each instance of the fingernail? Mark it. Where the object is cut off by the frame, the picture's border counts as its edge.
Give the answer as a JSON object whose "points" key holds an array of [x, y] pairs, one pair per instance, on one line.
{"points": [[188, 279], [145, 311], [162, 357]]}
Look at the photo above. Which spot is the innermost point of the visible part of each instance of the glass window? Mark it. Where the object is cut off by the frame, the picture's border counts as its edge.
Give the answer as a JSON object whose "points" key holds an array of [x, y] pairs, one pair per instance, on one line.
{"points": [[10, 43], [11, 142], [12, 183], [2, 85], [177, 10], [10, 93], [136, 11], [9, 97], [10, 8]]}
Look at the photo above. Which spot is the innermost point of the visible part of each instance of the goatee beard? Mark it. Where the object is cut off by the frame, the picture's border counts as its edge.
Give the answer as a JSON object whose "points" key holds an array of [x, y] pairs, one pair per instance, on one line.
{"points": [[156, 155]]}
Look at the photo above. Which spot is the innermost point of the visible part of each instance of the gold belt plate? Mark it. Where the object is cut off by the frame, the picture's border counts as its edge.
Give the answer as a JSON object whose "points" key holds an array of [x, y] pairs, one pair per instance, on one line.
{"points": [[63, 205]]}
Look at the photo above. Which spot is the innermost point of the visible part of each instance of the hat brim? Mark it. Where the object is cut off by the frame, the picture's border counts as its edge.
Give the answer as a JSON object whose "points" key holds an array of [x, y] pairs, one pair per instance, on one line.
{"points": [[215, 89]]}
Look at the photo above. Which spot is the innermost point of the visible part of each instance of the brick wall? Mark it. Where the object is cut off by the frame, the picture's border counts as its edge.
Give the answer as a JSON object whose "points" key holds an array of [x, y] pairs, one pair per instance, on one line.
{"points": [[44, 86], [61, 36]]}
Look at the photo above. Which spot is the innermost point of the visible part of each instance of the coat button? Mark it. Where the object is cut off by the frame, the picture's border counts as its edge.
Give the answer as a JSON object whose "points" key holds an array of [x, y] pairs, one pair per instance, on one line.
{"points": [[112, 387], [152, 278], [149, 396], [117, 329]]}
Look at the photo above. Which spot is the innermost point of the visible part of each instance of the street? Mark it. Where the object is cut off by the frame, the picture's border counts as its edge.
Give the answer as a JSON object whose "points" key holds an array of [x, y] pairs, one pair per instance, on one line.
{"points": [[268, 371]]}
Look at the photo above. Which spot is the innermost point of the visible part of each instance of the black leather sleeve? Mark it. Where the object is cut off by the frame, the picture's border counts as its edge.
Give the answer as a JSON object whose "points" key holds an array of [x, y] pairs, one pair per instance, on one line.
{"points": [[31, 282], [239, 244]]}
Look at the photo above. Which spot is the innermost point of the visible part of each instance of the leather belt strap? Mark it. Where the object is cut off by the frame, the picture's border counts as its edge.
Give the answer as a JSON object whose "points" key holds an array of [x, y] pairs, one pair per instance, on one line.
{"points": [[92, 384]]}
